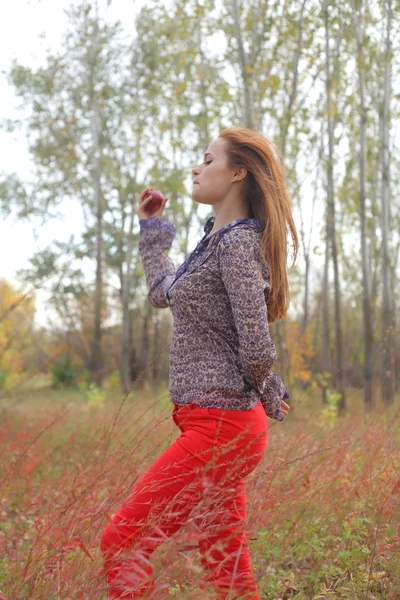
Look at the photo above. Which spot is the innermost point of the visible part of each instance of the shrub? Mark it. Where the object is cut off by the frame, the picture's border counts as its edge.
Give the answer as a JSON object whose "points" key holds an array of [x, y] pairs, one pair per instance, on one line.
{"points": [[65, 372]]}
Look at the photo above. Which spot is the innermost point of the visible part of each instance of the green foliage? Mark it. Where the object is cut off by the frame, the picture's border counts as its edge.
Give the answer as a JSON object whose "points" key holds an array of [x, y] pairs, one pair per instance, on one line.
{"points": [[330, 413], [83, 380], [3, 377], [327, 561], [95, 395], [4, 569], [113, 382], [65, 372]]}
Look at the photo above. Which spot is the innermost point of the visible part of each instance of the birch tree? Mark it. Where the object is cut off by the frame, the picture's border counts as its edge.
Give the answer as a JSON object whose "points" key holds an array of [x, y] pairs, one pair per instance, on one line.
{"points": [[331, 214], [358, 18], [388, 320]]}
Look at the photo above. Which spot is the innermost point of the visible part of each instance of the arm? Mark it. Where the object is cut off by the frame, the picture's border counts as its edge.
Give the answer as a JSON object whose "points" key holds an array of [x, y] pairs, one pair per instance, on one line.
{"points": [[156, 235], [247, 288]]}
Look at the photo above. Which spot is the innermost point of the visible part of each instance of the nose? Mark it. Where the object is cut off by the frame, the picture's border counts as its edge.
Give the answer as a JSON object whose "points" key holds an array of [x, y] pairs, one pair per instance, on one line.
{"points": [[195, 171]]}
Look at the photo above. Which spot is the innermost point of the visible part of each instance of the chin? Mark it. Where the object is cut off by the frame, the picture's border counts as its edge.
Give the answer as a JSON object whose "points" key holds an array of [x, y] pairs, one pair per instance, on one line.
{"points": [[200, 200]]}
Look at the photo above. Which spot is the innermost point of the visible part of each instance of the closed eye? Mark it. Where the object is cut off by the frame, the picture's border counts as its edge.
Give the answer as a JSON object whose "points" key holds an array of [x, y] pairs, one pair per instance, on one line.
{"points": [[208, 162]]}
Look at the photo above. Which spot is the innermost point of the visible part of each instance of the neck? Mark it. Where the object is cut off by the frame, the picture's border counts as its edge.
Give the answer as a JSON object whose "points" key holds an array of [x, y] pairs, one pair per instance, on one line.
{"points": [[230, 209], [223, 218]]}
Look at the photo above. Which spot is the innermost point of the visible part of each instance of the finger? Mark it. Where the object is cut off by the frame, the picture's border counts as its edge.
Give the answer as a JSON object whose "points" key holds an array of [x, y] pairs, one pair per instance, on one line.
{"points": [[146, 191], [143, 206]]}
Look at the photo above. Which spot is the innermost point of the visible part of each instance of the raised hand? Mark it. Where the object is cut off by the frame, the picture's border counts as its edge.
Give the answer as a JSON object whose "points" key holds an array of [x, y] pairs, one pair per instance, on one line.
{"points": [[144, 200]]}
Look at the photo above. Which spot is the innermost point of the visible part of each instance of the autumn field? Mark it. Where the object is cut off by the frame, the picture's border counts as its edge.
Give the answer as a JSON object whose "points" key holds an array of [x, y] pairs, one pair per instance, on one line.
{"points": [[323, 506]]}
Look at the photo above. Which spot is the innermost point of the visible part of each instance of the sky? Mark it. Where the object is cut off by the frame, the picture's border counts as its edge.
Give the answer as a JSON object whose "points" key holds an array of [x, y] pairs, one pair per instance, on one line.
{"points": [[27, 29]]}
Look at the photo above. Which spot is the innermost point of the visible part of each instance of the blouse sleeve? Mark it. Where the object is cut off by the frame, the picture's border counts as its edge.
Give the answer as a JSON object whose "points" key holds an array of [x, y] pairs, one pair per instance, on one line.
{"points": [[272, 396], [157, 235], [247, 289]]}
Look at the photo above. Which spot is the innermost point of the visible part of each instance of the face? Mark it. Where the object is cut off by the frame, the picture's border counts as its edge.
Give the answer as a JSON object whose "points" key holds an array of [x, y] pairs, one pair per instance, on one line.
{"points": [[212, 179]]}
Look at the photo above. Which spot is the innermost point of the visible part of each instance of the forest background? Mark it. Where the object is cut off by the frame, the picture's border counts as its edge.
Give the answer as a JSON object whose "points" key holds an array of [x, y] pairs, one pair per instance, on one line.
{"points": [[111, 113]]}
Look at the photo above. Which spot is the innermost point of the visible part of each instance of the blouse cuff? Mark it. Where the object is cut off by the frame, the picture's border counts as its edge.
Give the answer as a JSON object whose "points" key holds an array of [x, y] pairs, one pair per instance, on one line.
{"points": [[279, 416], [274, 393], [156, 222], [156, 232]]}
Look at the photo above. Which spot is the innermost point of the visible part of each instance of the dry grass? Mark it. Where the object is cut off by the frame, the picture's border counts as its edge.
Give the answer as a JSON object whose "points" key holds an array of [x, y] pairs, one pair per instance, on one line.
{"points": [[323, 507]]}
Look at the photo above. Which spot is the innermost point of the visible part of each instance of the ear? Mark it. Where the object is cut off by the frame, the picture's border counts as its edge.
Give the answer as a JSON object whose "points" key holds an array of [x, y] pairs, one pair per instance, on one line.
{"points": [[239, 173]]}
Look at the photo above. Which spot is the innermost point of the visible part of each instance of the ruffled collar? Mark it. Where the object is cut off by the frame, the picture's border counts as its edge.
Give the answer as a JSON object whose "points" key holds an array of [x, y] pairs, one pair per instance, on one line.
{"points": [[210, 223]]}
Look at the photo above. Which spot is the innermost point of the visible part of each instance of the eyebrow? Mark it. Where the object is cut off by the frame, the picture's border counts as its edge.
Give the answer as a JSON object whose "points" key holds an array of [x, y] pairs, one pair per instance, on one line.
{"points": [[207, 153]]}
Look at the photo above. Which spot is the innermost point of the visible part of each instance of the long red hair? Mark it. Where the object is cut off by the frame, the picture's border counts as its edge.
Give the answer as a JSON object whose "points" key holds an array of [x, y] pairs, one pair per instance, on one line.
{"points": [[269, 202]]}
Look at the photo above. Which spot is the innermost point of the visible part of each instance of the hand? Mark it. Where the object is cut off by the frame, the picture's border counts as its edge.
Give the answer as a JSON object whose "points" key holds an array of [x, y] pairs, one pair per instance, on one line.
{"points": [[144, 199], [284, 408]]}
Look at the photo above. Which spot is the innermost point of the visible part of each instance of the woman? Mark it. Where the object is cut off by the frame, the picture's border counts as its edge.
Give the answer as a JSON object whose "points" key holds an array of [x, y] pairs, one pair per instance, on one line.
{"points": [[221, 384]]}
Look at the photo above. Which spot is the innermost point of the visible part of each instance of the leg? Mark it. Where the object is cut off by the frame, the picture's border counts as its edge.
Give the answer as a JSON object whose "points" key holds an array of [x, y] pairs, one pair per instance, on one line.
{"points": [[197, 465], [223, 542], [224, 548], [158, 506]]}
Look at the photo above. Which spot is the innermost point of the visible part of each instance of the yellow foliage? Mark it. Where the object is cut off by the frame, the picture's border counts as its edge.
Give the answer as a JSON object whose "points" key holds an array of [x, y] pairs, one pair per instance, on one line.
{"points": [[16, 319], [300, 350]]}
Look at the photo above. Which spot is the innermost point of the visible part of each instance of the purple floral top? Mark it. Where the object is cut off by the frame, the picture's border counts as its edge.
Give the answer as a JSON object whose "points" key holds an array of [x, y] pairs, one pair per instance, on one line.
{"points": [[221, 349]]}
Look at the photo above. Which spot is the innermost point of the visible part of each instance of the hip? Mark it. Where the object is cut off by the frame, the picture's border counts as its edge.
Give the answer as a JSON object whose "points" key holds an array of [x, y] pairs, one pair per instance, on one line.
{"points": [[224, 422]]}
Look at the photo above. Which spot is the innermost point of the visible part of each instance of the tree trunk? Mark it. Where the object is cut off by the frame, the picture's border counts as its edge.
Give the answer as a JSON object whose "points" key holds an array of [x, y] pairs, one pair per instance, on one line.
{"points": [[388, 363], [156, 361], [145, 346], [368, 333], [331, 224], [133, 358], [96, 169], [326, 362], [126, 381], [306, 249], [248, 108], [97, 356]]}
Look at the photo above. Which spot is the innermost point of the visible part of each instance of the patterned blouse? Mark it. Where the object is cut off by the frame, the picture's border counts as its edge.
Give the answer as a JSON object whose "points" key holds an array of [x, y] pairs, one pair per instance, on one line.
{"points": [[221, 350]]}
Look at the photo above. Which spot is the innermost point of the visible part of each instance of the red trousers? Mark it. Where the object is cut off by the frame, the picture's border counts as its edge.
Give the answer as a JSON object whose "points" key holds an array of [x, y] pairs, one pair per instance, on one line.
{"points": [[201, 476]]}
